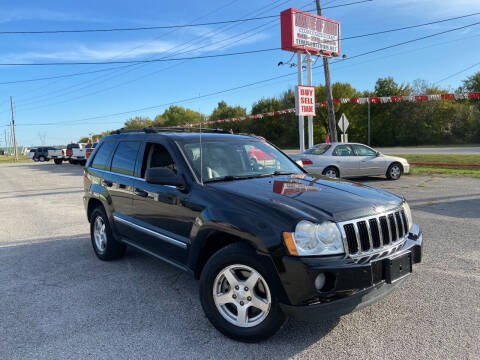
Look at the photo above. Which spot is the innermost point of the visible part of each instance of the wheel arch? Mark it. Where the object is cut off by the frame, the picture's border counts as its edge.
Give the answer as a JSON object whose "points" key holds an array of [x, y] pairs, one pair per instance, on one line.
{"points": [[216, 240], [332, 166]]}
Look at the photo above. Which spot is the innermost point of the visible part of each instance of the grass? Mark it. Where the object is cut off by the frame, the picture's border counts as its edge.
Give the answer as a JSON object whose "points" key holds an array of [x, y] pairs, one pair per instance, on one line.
{"points": [[446, 170], [9, 159]]}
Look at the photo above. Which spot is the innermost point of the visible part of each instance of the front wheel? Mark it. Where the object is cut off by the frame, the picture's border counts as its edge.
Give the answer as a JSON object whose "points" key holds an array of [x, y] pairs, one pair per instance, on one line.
{"points": [[103, 242], [58, 161], [41, 158], [237, 296], [331, 172], [394, 171]]}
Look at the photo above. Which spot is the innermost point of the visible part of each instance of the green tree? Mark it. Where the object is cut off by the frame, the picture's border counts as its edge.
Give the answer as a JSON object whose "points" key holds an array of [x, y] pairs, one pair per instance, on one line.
{"points": [[138, 122], [472, 83], [224, 111], [178, 115]]}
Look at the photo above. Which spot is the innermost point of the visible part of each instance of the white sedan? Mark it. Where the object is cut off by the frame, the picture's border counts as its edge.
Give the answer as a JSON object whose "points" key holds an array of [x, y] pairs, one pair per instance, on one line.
{"points": [[351, 160]]}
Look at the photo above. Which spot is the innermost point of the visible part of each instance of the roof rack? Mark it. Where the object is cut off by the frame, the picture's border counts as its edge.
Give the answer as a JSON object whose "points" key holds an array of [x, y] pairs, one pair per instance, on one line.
{"points": [[152, 129]]}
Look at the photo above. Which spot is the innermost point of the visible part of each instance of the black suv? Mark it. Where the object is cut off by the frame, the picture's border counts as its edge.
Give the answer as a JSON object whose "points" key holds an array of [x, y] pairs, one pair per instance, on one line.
{"points": [[265, 238], [41, 153]]}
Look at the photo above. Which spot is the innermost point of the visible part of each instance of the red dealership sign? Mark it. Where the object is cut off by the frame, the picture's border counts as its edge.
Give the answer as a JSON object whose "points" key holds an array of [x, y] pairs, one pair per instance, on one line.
{"points": [[303, 31]]}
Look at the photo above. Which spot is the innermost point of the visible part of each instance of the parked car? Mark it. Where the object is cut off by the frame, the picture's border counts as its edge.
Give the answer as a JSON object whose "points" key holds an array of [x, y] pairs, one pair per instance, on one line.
{"points": [[41, 153], [58, 155], [89, 149], [265, 240], [76, 153], [31, 153], [348, 160]]}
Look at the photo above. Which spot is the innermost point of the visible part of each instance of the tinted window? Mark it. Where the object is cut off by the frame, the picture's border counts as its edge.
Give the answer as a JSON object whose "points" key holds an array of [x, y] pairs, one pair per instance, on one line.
{"points": [[318, 149], [364, 151], [73, 146], [125, 156], [101, 160], [343, 150]]}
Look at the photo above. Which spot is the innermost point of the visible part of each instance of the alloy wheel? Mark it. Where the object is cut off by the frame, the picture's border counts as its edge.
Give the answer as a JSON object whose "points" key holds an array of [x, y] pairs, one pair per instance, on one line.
{"points": [[99, 234], [242, 295]]}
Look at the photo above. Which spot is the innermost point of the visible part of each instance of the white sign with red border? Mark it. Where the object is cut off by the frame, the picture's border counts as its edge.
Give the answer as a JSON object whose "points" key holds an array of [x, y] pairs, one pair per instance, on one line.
{"points": [[305, 100]]}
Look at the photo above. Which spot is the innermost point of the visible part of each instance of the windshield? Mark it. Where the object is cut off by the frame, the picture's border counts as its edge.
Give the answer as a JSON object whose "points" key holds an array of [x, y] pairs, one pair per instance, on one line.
{"points": [[318, 149], [236, 158]]}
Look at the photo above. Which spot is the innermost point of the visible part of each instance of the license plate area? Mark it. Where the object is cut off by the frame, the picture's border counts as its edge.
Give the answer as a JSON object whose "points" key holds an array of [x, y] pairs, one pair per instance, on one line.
{"points": [[397, 267]]}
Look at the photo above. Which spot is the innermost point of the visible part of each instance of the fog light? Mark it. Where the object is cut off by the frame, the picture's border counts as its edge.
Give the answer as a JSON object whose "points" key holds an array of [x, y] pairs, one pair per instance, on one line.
{"points": [[320, 281]]}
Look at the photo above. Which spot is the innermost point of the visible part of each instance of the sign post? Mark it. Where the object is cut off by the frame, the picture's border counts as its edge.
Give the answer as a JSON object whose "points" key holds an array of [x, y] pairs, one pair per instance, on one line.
{"points": [[301, 126], [343, 124]]}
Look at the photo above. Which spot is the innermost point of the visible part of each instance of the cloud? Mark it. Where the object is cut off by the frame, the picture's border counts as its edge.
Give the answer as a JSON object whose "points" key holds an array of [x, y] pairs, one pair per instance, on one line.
{"points": [[198, 42], [12, 15]]}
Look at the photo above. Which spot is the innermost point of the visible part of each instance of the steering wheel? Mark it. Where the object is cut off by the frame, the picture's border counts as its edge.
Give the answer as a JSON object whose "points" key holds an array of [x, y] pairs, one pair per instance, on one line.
{"points": [[255, 166]]}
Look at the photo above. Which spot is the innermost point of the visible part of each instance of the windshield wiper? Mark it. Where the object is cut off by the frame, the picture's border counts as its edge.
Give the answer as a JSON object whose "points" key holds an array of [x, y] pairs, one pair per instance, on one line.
{"points": [[227, 178], [275, 173]]}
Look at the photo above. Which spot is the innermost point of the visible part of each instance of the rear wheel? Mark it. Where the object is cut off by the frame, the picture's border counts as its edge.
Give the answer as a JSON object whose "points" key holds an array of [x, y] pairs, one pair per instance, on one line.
{"points": [[35, 159], [103, 242], [58, 161], [394, 171], [236, 295], [331, 172]]}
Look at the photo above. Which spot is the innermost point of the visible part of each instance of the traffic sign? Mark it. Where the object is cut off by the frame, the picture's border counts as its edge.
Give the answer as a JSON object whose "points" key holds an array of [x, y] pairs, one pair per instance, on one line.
{"points": [[343, 123]]}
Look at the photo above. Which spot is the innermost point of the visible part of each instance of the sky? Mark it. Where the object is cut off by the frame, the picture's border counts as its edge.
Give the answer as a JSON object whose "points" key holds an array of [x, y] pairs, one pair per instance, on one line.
{"points": [[106, 97]]}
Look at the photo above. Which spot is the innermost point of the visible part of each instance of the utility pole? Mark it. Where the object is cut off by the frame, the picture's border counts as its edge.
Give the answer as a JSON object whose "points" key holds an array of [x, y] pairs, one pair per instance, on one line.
{"points": [[15, 150], [6, 141], [310, 82], [369, 139], [330, 109]]}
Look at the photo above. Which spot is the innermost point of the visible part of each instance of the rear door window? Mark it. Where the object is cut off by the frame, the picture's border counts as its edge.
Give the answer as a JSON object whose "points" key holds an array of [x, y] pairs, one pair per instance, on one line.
{"points": [[102, 159], [125, 157], [343, 150]]}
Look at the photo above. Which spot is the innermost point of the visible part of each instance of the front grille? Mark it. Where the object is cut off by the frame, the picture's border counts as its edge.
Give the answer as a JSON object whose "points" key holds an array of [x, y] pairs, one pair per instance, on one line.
{"points": [[375, 233]]}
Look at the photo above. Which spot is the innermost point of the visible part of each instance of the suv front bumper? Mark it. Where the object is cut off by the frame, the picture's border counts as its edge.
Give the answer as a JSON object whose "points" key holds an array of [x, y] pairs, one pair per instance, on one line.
{"points": [[351, 284]]}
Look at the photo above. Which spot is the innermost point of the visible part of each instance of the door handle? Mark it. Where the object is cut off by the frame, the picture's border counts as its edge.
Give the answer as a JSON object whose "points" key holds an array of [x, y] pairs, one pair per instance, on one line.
{"points": [[141, 193], [107, 183]]}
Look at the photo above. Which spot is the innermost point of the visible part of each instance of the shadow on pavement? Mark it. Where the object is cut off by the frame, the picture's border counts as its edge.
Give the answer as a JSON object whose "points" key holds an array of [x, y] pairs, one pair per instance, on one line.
{"points": [[57, 296], [64, 169]]}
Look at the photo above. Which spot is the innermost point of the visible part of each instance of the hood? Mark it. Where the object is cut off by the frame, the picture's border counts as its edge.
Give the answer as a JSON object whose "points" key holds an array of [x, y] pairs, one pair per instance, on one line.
{"points": [[317, 196]]}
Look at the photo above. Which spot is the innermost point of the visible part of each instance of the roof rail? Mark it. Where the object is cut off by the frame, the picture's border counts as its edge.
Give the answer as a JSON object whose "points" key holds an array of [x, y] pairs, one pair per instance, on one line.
{"points": [[152, 129]]}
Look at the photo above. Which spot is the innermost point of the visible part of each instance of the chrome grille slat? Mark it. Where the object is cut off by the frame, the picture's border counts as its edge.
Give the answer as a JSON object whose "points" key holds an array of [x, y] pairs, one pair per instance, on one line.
{"points": [[361, 236], [370, 240]]}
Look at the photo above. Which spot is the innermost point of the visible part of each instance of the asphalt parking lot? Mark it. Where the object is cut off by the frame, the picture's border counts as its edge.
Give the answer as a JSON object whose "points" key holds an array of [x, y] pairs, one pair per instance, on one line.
{"points": [[58, 301]]}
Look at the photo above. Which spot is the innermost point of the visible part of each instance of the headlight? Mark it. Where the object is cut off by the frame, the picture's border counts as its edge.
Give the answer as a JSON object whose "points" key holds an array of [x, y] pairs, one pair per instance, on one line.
{"points": [[314, 239], [408, 214]]}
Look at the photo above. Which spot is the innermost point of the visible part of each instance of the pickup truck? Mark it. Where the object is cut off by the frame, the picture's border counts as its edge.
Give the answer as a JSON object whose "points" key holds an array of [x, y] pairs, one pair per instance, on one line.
{"points": [[76, 153], [58, 155], [89, 149]]}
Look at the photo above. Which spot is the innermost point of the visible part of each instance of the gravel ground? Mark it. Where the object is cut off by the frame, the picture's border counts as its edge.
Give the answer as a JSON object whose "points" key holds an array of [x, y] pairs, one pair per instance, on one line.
{"points": [[59, 301]]}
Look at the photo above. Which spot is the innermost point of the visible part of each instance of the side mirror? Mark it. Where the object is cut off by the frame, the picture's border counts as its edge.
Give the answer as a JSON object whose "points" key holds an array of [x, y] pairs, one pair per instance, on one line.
{"points": [[163, 176], [378, 153]]}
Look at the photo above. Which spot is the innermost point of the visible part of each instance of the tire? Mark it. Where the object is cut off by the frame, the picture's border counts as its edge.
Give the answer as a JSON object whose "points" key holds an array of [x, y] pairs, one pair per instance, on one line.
{"points": [[394, 171], [58, 161], [104, 244], [259, 324], [35, 159], [83, 162], [331, 172], [70, 161], [41, 158]]}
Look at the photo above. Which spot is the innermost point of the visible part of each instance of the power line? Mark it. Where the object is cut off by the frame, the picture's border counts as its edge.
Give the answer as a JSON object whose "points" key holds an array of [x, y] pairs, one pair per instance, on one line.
{"points": [[457, 73], [410, 27], [140, 61], [245, 85], [230, 42], [166, 26]]}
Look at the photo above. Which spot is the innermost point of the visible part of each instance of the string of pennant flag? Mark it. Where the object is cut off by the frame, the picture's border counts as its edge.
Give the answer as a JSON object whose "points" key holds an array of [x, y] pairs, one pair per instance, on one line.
{"points": [[362, 100]]}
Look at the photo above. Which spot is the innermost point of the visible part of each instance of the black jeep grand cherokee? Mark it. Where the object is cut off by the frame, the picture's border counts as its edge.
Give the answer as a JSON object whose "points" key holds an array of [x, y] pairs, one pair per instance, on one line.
{"points": [[265, 238]]}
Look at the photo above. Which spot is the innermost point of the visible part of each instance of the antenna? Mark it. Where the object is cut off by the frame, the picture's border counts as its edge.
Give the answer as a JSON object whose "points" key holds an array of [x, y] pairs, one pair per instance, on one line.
{"points": [[201, 150]]}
